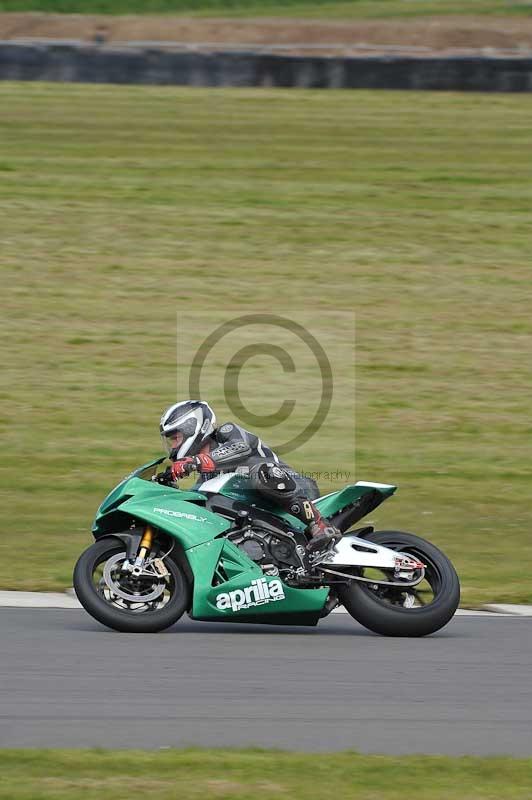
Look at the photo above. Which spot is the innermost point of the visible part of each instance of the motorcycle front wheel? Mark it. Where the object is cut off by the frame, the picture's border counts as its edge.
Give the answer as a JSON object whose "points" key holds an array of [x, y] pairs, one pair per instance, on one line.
{"points": [[404, 611], [122, 602]]}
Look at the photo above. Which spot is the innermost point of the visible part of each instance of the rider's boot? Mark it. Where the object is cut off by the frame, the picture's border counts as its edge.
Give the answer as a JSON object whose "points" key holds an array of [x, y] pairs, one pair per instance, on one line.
{"points": [[323, 534]]}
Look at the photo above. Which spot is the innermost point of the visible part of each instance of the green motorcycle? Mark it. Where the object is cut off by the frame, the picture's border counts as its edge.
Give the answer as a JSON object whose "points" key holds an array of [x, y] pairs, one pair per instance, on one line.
{"points": [[224, 554]]}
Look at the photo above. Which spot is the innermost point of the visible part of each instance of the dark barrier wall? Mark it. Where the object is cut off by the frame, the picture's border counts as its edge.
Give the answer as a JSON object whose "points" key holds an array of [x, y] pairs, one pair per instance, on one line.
{"points": [[91, 64]]}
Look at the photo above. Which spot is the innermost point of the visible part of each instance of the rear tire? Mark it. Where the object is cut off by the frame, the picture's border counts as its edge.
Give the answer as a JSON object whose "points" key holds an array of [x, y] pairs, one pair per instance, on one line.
{"points": [[124, 619], [386, 615]]}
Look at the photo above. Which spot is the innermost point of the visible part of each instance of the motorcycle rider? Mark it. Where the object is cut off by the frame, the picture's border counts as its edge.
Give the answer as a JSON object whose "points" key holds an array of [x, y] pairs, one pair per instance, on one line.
{"points": [[194, 443]]}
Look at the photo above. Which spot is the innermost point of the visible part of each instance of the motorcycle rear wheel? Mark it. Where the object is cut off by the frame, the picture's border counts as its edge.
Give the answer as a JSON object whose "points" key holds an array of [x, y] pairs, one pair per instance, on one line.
{"points": [[139, 614], [392, 611]]}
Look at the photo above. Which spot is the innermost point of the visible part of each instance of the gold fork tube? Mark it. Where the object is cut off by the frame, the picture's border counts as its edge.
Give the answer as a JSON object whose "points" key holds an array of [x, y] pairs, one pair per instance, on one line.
{"points": [[146, 542], [147, 538]]}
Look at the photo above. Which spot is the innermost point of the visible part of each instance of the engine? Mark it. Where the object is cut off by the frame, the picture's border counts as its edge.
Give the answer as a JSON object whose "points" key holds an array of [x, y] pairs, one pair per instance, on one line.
{"points": [[275, 553]]}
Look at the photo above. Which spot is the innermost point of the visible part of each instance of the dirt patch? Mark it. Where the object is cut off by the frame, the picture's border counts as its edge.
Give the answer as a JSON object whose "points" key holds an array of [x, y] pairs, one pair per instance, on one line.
{"points": [[435, 34]]}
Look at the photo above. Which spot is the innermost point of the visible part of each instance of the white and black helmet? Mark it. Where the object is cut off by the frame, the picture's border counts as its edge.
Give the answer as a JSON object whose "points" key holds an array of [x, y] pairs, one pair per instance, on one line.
{"points": [[194, 419]]}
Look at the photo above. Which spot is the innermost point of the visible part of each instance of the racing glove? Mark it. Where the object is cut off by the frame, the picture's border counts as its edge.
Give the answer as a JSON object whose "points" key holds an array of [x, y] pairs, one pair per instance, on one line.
{"points": [[183, 467], [204, 463]]}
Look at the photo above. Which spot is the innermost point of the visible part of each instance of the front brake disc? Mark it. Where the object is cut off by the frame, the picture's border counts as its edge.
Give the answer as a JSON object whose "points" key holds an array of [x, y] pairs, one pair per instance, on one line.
{"points": [[156, 588]]}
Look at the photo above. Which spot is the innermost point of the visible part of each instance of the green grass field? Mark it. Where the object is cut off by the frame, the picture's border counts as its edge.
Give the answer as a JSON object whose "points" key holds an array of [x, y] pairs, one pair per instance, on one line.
{"points": [[121, 208], [298, 8], [245, 775]]}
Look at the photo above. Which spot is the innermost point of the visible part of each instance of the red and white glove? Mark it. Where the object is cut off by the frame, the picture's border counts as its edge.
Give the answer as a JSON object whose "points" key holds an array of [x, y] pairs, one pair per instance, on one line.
{"points": [[183, 467], [205, 463]]}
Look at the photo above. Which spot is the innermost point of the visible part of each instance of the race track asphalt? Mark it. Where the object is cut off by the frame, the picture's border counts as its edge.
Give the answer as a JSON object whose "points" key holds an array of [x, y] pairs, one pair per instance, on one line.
{"points": [[65, 681]]}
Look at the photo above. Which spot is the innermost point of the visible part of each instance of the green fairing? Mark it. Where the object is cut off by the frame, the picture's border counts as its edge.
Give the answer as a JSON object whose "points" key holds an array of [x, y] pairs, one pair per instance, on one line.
{"points": [[237, 488], [144, 491], [189, 523], [221, 563], [332, 503], [145, 495], [228, 585]]}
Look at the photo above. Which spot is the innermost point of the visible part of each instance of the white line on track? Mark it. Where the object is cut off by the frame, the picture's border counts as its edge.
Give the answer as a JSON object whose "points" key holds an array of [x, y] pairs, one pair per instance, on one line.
{"points": [[38, 600], [68, 600]]}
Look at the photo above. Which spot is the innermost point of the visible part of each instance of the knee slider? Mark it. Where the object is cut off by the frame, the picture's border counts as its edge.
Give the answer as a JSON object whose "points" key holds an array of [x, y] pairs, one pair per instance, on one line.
{"points": [[274, 482]]}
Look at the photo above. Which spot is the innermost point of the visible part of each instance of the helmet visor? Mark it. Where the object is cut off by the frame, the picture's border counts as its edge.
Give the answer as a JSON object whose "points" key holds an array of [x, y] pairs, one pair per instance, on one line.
{"points": [[175, 440]]}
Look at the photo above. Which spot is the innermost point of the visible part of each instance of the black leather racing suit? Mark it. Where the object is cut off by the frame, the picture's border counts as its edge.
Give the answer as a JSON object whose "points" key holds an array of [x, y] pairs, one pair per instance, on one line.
{"points": [[233, 448]]}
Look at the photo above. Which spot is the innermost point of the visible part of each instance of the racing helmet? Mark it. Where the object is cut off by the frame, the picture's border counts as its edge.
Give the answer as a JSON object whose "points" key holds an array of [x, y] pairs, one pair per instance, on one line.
{"points": [[184, 427]]}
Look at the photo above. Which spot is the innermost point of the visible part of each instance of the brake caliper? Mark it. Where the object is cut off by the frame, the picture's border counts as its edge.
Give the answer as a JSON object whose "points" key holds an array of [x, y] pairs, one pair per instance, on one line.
{"points": [[160, 567]]}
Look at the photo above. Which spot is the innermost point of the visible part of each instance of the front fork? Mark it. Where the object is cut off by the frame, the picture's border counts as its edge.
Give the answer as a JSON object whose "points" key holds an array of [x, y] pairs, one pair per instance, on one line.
{"points": [[145, 546], [141, 565]]}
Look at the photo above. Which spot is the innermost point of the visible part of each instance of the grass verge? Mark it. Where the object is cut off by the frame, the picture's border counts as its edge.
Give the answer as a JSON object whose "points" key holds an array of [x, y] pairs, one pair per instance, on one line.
{"points": [[377, 9], [228, 774], [408, 214]]}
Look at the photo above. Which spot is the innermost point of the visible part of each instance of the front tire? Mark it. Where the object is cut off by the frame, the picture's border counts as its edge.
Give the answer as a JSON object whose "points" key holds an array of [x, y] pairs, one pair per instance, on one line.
{"points": [[391, 611], [98, 599]]}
